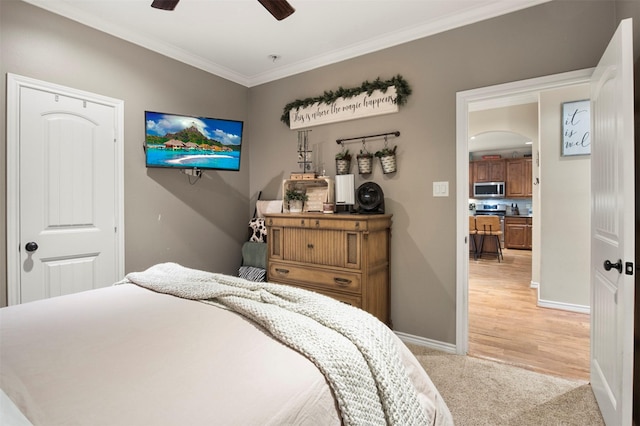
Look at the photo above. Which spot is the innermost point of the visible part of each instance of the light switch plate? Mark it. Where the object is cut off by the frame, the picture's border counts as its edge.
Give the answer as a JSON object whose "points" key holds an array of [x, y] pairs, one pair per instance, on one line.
{"points": [[440, 189]]}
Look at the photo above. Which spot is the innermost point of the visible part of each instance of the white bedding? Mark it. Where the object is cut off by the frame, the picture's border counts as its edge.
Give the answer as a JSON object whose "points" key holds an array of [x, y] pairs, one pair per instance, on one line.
{"points": [[125, 355], [10, 415]]}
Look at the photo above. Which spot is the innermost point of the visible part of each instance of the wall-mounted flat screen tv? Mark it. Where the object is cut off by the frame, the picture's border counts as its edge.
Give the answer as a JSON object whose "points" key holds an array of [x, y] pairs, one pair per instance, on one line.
{"points": [[186, 142]]}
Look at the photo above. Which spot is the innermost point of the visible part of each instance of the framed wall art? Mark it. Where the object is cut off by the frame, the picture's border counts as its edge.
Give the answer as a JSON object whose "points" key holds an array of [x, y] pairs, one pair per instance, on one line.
{"points": [[576, 128]]}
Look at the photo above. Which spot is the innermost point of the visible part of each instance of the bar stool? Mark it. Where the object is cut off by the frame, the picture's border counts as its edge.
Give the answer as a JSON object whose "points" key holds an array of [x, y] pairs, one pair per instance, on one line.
{"points": [[489, 226], [472, 236]]}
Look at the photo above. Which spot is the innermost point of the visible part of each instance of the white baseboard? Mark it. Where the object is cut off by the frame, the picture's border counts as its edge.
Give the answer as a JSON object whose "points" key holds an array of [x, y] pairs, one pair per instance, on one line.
{"points": [[422, 341], [564, 306], [560, 305]]}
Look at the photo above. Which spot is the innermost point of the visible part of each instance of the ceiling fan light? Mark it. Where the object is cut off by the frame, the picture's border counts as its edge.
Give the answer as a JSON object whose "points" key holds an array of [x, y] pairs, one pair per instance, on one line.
{"points": [[165, 4], [280, 9]]}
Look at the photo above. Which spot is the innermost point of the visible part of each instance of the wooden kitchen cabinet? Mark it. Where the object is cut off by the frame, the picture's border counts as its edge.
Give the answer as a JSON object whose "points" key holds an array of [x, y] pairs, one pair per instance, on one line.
{"points": [[471, 179], [517, 232], [489, 171], [528, 174], [346, 257], [519, 177]]}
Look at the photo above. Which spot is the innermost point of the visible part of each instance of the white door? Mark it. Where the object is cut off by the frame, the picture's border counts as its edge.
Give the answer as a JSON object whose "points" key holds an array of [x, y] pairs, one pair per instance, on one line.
{"points": [[612, 229], [68, 197]]}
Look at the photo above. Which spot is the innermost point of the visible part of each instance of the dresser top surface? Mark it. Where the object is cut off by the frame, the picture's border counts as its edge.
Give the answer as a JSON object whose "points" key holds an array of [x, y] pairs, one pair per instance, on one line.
{"points": [[337, 216]]}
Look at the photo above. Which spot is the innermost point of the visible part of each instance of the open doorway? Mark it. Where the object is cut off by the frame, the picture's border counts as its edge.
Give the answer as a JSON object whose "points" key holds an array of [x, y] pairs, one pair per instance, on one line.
{"points": [[507, 333]]}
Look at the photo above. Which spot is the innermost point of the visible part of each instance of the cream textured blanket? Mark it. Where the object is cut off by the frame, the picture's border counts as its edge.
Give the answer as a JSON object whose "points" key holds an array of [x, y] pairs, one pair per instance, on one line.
{"points": [[354, 351]]}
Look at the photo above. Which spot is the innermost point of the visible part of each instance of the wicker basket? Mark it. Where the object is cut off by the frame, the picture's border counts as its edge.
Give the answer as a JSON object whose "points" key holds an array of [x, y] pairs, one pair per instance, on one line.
{"points": [[388, 163], [343, 167], [365, 164]]}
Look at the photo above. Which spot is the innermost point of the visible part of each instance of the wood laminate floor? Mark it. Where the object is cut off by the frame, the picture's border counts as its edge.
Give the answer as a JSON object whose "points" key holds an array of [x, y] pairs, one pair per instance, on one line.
{"points": [[505, 324]]}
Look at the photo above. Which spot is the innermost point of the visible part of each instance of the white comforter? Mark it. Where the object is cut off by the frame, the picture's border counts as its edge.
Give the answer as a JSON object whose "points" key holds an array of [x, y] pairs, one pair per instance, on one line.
{"points": [[355, 351], [127, 356]]}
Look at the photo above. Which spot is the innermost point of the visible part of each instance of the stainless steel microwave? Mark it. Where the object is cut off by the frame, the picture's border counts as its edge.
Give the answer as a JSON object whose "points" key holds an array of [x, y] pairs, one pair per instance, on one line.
{"points": [[488, 190]]}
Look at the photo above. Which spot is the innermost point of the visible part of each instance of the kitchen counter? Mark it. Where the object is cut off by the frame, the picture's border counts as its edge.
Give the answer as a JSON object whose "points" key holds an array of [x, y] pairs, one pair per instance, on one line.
{"points": [[518, 215]]}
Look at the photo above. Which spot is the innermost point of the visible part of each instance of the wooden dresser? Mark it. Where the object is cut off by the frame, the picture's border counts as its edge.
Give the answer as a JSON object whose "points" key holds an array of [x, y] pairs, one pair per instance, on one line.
{"points": [[345, 256]]}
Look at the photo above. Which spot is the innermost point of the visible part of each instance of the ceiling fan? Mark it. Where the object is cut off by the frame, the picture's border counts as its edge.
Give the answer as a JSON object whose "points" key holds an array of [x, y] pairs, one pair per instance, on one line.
{"points": [[280, 9]]}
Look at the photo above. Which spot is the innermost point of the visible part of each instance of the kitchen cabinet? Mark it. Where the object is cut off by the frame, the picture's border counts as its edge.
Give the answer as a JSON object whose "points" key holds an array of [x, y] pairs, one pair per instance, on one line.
{"points": [[489, 171], [519, 177], [528, 174], [517, 232], [471, 178], [342, 256]]}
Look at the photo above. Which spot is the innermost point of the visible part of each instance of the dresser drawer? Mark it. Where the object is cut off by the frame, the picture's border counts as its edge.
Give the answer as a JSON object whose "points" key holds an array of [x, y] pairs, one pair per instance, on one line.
{"points": [[317, 278], [317, 222], [338, 224], [289, 222], [326, 248], [348, 298]]}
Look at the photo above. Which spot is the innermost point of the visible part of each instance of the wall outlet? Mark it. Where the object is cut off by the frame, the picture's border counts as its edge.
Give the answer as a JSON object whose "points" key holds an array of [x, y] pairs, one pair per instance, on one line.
{"points": [[440, 189]]}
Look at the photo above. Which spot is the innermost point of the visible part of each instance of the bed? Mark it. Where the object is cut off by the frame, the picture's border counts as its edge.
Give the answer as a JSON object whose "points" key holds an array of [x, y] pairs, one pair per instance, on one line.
{"points": [[177, 346]]}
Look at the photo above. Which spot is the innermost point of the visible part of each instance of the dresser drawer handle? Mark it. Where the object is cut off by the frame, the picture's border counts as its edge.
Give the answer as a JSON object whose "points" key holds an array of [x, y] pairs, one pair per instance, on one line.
{"points": [[343, 282], [282, 271], [309, 245]]}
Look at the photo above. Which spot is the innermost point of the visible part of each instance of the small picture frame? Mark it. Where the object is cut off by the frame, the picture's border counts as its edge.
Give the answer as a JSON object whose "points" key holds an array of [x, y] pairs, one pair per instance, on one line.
{"points": [[576, 128]]}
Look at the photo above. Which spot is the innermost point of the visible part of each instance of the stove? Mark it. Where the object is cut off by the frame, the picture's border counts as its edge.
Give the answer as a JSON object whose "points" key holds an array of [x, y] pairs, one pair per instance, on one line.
{"points": [[494, 209]]}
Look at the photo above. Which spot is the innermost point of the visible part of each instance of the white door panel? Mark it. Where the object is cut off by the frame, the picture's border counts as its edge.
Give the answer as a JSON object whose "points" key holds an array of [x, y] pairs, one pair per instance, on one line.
{"points": [[67, 194], [613, 229], [68, 276]]}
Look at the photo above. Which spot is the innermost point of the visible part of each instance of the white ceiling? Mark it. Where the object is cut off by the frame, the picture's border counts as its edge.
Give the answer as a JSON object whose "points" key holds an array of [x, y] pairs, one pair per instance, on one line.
{"points": [[234, 39], [498, 141]]}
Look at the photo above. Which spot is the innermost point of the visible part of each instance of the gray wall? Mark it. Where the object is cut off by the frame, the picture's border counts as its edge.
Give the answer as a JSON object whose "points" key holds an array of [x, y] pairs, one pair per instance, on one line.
{"points": [[551, 38], [166, 218], [203, 225], [630, 9]]}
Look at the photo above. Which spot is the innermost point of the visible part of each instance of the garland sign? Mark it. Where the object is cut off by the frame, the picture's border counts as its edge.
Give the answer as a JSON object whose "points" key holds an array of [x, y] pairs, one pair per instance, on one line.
{"points": [[343, 109]]}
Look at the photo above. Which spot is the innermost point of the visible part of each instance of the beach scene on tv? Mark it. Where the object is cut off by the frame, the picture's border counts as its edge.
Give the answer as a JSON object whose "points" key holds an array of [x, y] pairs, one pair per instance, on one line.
{"points": [[192, 142]]}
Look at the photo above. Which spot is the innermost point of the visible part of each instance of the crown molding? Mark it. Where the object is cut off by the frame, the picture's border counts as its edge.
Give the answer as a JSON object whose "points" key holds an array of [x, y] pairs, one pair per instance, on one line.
{"points": [[406, 35]]}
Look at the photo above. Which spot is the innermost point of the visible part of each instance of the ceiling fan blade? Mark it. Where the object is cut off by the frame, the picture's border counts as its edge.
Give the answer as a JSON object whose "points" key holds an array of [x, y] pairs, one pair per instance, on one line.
{"points": [[280, 9], [165, 4]]}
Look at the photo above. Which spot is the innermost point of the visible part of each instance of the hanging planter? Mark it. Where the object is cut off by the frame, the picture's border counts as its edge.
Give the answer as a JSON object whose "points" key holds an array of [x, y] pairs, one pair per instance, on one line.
{"points": [[365, 164], [388, 163], [365, 161], [343, 162], [387, 158]]}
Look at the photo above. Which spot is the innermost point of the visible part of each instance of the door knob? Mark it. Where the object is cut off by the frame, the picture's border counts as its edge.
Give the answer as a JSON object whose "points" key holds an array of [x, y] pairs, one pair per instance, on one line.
{"points": [[608, 265], [31, 246]]}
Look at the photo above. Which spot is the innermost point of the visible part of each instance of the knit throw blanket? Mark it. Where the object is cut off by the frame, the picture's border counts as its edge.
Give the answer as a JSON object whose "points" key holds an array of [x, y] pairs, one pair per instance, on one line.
{"points": [[355, 352]]}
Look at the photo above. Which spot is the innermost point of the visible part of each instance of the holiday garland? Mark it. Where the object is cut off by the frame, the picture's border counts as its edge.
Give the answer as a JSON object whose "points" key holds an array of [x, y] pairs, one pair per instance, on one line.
{"points": [[402, 91]]}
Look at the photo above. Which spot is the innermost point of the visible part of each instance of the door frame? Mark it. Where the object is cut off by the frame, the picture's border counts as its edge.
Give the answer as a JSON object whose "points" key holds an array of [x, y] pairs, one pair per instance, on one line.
{"points": [[14, 84], [492, 96]]}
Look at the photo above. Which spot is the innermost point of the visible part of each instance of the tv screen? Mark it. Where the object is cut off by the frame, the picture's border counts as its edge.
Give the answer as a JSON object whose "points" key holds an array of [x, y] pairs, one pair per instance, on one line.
{"points": [[186, 142]]}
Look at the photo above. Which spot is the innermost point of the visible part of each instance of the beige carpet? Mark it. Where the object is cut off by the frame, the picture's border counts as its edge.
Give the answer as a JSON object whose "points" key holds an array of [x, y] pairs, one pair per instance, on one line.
{"points": [[481, 392]]}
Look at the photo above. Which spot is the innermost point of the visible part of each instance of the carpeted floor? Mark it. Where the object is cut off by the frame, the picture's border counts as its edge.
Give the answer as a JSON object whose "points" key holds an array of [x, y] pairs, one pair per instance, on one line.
{"points": [[481, 392]]}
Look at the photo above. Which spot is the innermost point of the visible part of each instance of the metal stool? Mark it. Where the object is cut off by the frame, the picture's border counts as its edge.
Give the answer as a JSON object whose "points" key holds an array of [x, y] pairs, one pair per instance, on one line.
{"points": [[489, 226]]}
